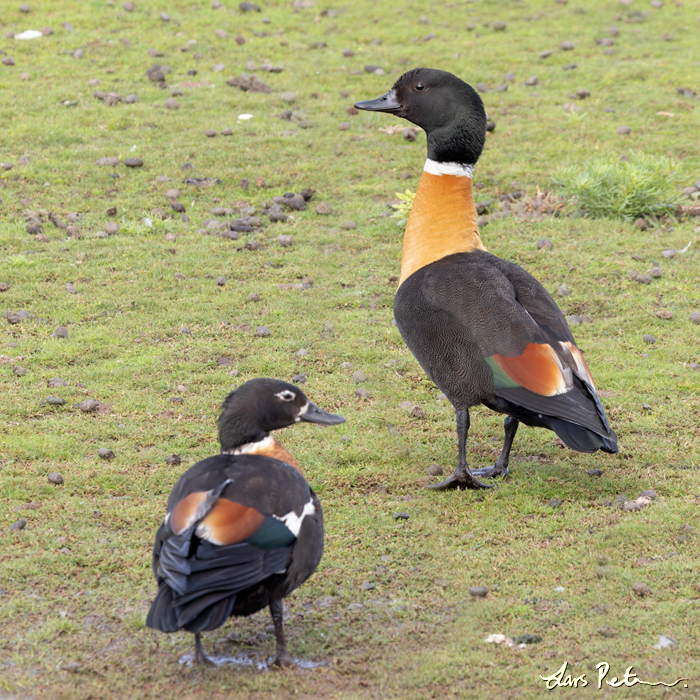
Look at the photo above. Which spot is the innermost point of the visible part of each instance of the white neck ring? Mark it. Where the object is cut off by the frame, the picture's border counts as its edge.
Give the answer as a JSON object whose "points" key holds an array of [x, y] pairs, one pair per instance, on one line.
{"points": [[436, 168]]}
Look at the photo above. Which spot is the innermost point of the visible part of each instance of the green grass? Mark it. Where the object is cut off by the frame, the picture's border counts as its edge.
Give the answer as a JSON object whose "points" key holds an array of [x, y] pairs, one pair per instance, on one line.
{"points": [[75, 585], [643, 185]]}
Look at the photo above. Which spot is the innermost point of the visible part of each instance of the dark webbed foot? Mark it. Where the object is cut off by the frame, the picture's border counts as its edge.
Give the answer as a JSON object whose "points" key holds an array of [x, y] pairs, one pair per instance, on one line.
{"points": [[200, 657], [460, 480], [491, 472], [283, 660]]}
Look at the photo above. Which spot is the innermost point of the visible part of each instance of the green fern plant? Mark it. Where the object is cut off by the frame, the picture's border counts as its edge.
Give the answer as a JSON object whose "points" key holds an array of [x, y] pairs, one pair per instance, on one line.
{"points": [[609, 187]]}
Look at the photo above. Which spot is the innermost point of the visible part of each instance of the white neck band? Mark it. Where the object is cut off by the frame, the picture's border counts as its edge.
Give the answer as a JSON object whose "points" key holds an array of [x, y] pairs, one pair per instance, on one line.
{"points": [[435, 168]]}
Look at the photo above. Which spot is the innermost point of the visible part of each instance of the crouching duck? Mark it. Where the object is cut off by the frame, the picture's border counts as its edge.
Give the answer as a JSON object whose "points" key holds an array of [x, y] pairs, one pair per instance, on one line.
{"points": [[484, 330], [243, 529]]}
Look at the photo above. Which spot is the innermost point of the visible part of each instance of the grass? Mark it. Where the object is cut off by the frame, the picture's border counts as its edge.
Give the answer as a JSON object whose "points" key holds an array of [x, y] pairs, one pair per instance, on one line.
{"points": [[75, 584], [642, 185]]}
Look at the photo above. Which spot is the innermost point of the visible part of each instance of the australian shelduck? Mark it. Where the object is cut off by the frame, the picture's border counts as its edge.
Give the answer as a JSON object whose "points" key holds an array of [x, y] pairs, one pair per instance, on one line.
{"points": [[243, 528], [484, 330]]}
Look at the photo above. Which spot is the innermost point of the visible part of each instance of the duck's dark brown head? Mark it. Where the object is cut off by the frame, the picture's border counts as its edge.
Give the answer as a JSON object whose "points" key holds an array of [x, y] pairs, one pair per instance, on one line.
{"points": [[448, 109], [262, 405]]}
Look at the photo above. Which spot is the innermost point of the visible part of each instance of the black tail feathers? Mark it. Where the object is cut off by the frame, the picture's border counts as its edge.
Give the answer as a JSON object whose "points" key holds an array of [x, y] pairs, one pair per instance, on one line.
{"points": [[582, 439]]}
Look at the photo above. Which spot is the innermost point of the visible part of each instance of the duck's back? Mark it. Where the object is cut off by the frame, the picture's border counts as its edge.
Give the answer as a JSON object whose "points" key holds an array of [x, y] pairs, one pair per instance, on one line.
{"points": [[240, 531], [461, 309]]}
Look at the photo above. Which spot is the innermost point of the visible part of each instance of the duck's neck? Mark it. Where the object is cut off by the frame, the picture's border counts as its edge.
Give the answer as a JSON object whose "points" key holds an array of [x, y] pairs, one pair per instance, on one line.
{"points": [[443, 218], [268, 446]]}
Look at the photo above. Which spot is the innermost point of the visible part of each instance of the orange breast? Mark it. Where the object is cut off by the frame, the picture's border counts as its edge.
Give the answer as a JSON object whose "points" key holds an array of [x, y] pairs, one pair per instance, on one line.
{"points": [[275, 449], [443, 221]]}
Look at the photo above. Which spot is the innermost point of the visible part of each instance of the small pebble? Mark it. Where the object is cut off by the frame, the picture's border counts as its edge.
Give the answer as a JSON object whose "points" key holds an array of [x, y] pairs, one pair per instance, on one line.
{"points": [[173, 460], [478, 591], [299, 378], [563, 291], [359, 376], [366, 586], [284, 240], [221, 280], [544, 243], [666, 642], [435, 470], [631, 506], [133, 163], [401, 516], [694, 316], [19, 525], [624, 130], [324, 208], [650, 339], [554, 503], [649, 493], [263, 332], [363, 393], [55, 478], [55, 401], [172, 103], [105, 453]]}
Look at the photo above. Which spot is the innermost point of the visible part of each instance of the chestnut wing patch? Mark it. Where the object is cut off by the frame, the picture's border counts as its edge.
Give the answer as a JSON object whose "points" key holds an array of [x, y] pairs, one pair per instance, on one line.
{"points": [[538, 369], [229, 523], [184, 514]]}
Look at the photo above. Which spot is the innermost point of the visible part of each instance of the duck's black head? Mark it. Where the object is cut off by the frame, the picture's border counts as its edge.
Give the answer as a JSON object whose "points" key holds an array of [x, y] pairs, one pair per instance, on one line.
{"points": [[261, 405], [450, 111]]}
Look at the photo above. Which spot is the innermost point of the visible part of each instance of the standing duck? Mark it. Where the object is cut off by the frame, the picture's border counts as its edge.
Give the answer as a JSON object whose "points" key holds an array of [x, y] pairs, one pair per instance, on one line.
{"points": [[243, 529], [484, 330]]}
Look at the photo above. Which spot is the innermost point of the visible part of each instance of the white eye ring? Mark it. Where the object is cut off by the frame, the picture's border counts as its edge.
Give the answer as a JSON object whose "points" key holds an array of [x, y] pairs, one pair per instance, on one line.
{"points": [[286, 395]]}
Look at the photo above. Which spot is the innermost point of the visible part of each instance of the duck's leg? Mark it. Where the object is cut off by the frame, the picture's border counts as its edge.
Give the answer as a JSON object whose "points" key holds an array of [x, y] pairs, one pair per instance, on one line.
{"points": [[199, 656], [462, 477], [282, 657], [510, 427]]}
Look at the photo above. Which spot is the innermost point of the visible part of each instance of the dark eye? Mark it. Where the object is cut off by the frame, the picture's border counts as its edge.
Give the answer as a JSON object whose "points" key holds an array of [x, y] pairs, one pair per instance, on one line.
{"points": [[419, 86], [286, 395]]}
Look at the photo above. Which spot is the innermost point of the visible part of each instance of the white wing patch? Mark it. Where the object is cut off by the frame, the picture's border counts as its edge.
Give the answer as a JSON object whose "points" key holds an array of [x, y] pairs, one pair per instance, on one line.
{"points": [[293, 521]]}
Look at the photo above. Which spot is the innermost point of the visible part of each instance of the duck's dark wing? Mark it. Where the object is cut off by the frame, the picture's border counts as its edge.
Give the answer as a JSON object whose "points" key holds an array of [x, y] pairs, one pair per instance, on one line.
{"points": [[538, 372], [212, 546]]}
